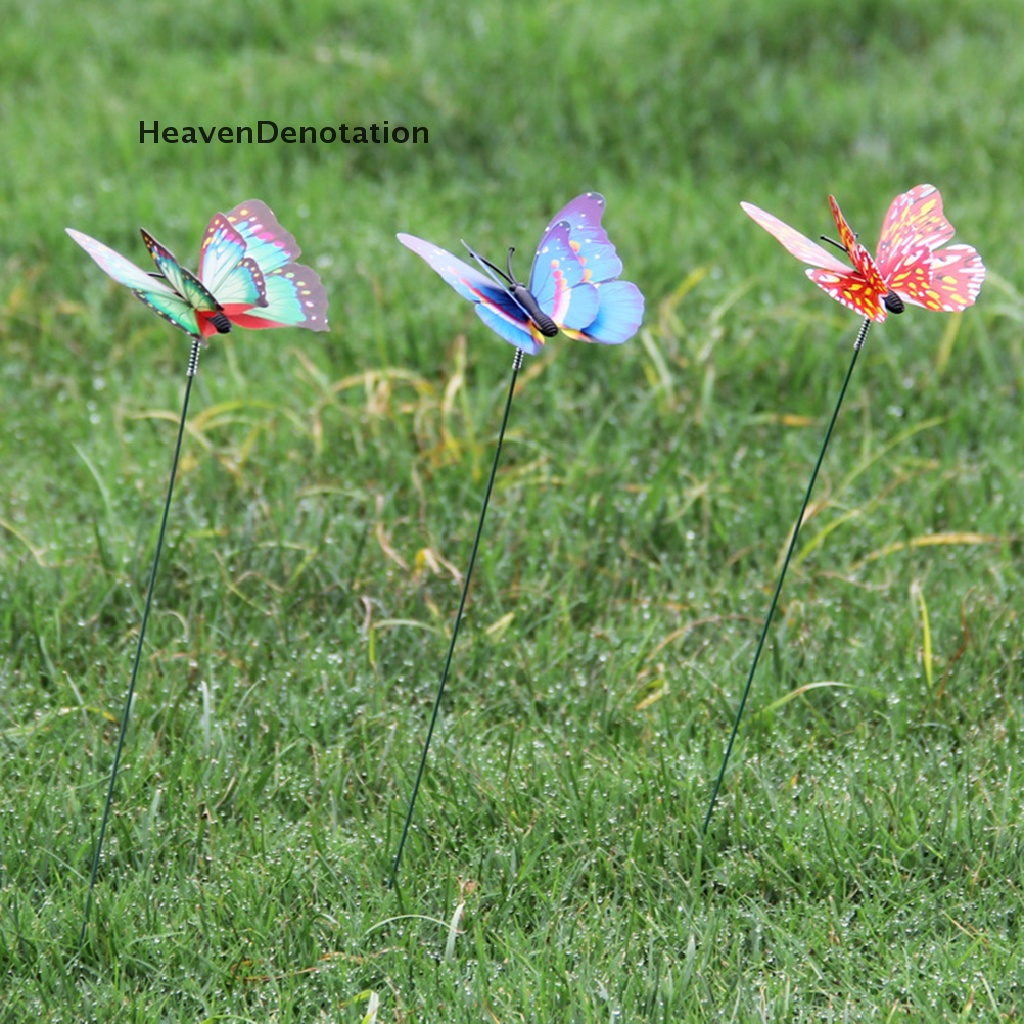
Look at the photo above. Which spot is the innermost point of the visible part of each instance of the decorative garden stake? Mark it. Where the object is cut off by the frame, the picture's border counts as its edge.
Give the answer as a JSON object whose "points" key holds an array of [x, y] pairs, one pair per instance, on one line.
{"points": [[910, 267], [247, 278], [573, 289]]}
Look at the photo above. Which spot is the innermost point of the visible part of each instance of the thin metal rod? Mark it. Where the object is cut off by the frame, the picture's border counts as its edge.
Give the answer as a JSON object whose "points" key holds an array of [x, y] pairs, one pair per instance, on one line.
{"points": [[857, 345], [517, 362], [192, 365]]}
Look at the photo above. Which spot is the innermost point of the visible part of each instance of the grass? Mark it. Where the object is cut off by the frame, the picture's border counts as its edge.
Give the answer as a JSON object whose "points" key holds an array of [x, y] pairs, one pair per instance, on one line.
{"points": [[865, 861]]}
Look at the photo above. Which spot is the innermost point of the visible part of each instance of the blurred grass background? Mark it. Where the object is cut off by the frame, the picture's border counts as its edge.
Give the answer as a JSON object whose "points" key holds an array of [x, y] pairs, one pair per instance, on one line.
{"points": [[866, 860]]}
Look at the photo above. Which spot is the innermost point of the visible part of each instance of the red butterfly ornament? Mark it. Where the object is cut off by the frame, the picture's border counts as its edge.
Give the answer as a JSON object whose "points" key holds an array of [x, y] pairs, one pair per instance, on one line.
{"points": [[910, 264]]}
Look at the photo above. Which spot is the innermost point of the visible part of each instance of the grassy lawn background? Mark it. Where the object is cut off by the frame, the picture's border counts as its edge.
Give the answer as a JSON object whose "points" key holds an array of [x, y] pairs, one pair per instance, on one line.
{"points": [[866, 859]]}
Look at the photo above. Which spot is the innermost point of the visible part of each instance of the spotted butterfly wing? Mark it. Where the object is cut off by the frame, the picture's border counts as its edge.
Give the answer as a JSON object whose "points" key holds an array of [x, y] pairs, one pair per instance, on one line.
{"points": [[620, 303], [588, 238], [228, 270], [957, 277], [294, 294], [910, 258], [867, 291], [560, 283], [915, 216], [182, 280]]}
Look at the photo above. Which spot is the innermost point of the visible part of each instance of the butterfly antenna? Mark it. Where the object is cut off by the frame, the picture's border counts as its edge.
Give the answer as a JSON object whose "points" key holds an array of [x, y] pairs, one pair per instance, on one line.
{"points": [[507, 280], [193, 364], [517, 362], [857, 345], [832, 241]]}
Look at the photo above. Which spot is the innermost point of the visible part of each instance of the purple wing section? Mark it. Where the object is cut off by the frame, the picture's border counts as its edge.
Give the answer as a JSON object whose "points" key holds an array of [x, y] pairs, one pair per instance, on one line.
{"points": [[589, 240], [494, 305], [466, 280], [620, 304]]}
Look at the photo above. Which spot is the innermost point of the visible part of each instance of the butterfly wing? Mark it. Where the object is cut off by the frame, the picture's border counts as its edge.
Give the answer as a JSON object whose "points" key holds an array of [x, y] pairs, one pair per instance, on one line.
{"points": [[620, 304], [116, 266], [293, 296], [619, 316], [845, 285], [559, 281], [798, 245], [867, 298], [851, 290], [180, 278], [947, 280], [589, 240], [266, 241], [494, 305], [227, 271], [914, 221], [504, 323], [953, 281], [154, 291]]}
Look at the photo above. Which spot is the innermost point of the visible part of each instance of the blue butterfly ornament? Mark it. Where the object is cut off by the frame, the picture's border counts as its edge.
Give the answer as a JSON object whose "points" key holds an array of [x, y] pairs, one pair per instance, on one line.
{"points": [[573, 284]]}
